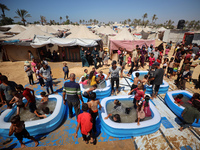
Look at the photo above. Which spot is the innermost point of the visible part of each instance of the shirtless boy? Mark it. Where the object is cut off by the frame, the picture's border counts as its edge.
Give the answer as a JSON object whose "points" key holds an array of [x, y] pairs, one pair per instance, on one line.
{"points": [[136, 81], [18, 128]]}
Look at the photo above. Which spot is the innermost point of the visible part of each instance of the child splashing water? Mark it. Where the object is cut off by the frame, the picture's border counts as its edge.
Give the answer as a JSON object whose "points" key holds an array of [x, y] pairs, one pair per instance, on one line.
{"points": [[45, 98], [139, 94], [120, 107], [46, 113], [18, 100], [178, 100], [136, 81]]}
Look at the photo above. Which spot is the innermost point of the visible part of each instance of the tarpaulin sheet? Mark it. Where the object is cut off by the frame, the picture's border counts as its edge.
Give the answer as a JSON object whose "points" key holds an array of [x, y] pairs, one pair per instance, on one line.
{"points": [[142, 42], [115, 44]]}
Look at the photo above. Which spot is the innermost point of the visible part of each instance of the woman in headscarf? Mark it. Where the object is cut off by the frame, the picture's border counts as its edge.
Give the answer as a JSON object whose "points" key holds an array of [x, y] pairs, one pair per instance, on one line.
{"points": [[83, 58]]}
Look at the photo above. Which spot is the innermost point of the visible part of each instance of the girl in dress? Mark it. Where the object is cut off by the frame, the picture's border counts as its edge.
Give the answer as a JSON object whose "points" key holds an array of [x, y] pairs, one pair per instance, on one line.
{"points": [[147, 110], [129, 60]]}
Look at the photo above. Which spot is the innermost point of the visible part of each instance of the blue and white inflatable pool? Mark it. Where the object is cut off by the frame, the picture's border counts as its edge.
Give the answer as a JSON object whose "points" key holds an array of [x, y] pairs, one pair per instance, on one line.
{"points": [[36, 127], [163, 87], [169, 100], [128, 129], [100, 93]]}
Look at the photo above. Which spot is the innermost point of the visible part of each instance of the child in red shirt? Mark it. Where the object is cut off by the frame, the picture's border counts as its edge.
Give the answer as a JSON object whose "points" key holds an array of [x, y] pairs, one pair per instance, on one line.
{"points": [[101, 76], [139, 94], [178, 100], [151, 60], [85, 124]]}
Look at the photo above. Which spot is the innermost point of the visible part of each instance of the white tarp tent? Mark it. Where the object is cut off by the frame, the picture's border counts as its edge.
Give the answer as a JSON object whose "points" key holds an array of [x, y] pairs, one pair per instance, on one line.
{"points": [[106, 30], [40, 41], [124, 35]]}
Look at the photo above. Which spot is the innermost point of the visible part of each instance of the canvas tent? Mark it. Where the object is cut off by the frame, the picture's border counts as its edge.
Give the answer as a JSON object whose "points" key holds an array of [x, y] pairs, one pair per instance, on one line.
{"points": [[106, 31], [174, 35], [17, 29], [48, 29], [29, 34]]}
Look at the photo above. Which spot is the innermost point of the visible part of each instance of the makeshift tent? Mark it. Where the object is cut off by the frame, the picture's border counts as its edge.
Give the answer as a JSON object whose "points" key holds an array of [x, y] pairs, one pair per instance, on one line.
{"points": [[106, 31], [144, 34], [123, 39], [82, 32], [29, 34], [161, 29], [196, 38], [48, 29], [17, 29], [143, 42], [174, 35]]}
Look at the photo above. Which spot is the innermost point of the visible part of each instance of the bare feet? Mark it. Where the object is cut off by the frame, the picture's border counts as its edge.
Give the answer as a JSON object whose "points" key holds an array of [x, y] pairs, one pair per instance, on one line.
{"points": [[23, 146], [36, 143], [181, 128]]}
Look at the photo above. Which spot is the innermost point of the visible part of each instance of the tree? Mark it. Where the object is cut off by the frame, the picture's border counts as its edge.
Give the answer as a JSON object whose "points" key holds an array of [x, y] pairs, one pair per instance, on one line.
{"points": [[95, 21], [43, 20], [169, 24], [67, 17], [80, 21], [3, 8], [83, 21], [146, 23], [60, 19], [6, 21], [22, 13], [144, 16], [90, 21], [154, 18], [129, 20]]}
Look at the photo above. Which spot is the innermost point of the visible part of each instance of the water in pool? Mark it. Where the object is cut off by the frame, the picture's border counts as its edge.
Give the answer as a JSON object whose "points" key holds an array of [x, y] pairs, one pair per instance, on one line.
{"points": [[26, 115], [125, 118], [101, 85], [185, 100]]}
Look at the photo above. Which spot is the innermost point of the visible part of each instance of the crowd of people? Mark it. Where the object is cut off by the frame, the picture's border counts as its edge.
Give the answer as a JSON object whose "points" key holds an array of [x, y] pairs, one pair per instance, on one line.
{"points": [[181, 65]]}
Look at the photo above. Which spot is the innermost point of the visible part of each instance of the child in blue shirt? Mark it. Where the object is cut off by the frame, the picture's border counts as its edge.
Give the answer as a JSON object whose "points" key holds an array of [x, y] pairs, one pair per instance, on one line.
{"points": [[65, 70]]}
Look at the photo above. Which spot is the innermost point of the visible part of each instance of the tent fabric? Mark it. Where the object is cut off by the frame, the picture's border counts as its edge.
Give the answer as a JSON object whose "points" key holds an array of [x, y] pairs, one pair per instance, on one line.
{"points": [[161, 29], [48, 29], [19, 53], [142, 42], [196, 38], [144, 34], [29, 34], [124, 35], [82, 32], [174, 35], [106, 30], [17, 29], [115, 44], [40, 41]]}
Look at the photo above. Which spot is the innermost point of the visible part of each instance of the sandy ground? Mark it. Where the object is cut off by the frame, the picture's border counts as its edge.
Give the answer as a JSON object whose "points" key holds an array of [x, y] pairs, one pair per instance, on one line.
{"points": [[15, 72]]}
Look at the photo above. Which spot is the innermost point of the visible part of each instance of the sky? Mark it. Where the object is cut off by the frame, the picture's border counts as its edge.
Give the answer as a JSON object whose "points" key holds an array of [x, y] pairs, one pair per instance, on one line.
{"points": [[105, 10]]}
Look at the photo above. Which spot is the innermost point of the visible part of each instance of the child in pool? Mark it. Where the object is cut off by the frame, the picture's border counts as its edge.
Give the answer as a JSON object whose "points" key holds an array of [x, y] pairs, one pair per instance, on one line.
{"points": [[86, 75], [139, 94], [88, 91], [102, 77], [17, 98], [92, 78], [178, 100], [114, 117], [144, 82], [93, 109], [136, 81], [18, 128], [84, 81], [46, 113], [140, 112], [196, 96], [120, 107], [95, 72], [146, 106], [45, 98]]}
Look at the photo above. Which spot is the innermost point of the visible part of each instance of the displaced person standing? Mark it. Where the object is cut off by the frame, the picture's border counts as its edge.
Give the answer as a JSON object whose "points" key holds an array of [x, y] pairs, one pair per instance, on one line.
{"points": [[7, 87], [101, 57], [156, 53], [133, 60], [114, 72], [29, 71], [72, 89], [83, 58], [46, 74], [157, 79], [95, 55]]}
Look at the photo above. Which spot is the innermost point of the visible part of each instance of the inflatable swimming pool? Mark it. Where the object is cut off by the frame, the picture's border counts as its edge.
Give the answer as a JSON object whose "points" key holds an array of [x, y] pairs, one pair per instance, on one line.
{"points": [[36, 127], [128, 129], [163, 87], [100, 93], [169, 100]]}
